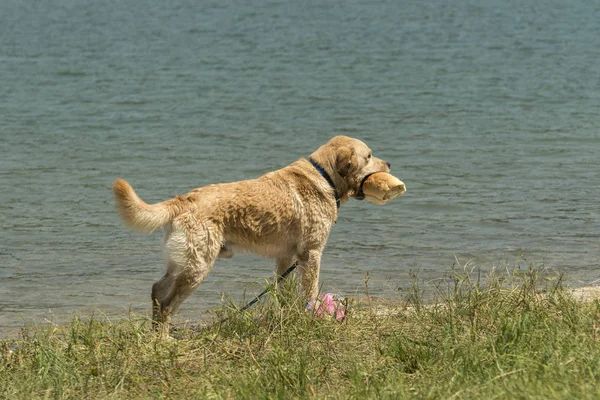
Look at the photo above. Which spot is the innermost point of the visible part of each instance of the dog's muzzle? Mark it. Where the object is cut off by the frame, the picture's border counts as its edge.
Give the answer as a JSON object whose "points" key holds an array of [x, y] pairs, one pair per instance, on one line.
{"points": [[360, 195]]}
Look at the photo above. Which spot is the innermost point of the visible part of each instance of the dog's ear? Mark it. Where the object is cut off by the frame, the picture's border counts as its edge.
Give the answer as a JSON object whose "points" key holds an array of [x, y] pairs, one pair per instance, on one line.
{"points": [[345, 158]]}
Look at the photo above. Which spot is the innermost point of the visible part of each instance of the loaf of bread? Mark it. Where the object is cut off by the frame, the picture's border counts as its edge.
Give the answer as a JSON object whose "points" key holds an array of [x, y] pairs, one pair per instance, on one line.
{"points": [[381, 187]]}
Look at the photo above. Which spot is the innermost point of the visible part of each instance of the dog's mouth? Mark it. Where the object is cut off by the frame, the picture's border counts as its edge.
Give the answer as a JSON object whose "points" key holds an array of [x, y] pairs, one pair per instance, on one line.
{"points": [[360, 195]]}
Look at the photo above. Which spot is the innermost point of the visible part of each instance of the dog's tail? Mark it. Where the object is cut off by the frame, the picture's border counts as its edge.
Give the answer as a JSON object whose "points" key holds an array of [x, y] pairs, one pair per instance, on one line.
{"points": [[141, 216]]}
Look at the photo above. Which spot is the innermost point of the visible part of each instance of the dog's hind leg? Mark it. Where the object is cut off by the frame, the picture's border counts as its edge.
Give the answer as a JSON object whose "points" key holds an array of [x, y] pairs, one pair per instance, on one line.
{"points": [[161, 291], [192, 248], [182, 286]]}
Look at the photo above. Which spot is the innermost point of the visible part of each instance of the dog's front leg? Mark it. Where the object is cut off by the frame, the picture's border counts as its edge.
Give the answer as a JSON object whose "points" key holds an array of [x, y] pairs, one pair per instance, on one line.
{"points": [[309, 264]]}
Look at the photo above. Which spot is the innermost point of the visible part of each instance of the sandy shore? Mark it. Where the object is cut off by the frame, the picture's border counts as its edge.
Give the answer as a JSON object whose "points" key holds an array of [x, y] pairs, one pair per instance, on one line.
{"points": [[587, 293]]}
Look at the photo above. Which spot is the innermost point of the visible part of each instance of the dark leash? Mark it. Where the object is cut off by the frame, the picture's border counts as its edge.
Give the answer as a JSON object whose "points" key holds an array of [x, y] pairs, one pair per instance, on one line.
{"points": [[254, 300], [279, 279]]}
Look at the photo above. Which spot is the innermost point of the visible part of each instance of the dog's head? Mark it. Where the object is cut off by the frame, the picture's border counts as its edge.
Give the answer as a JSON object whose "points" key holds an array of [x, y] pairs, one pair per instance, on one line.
{"points": [[348, 162]]}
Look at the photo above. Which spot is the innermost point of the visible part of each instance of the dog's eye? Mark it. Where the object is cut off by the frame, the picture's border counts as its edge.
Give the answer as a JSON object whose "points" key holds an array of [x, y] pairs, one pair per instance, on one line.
{"points": [[369, 156]]}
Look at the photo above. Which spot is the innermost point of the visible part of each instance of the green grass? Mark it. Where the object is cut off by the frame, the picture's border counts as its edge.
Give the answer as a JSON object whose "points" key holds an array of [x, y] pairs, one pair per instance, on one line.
{"points": [[502, 336]]}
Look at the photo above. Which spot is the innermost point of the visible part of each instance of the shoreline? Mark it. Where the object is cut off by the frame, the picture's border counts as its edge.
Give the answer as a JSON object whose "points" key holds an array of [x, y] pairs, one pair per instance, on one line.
{"points": [[483, 340], [385, 306]]}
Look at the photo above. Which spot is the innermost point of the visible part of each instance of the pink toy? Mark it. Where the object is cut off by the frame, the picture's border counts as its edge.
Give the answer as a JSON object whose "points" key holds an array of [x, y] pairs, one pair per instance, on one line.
{"points": [[328, 304]]}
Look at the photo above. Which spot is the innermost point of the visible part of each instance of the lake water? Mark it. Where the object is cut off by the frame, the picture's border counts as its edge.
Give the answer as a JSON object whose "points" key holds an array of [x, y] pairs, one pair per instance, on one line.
{"points": [[488, 110]]}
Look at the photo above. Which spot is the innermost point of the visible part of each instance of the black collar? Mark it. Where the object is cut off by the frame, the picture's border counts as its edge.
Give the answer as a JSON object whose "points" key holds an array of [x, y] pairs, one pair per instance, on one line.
{"points": [[328, 179]]}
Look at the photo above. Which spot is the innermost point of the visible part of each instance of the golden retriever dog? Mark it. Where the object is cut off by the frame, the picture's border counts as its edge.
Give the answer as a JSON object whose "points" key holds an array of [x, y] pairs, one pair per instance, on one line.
{"points": [[285, 215]]}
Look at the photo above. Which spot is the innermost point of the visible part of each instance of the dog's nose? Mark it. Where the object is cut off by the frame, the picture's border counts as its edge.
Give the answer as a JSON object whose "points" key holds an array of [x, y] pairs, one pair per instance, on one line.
{"points": [[388, 164]]}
